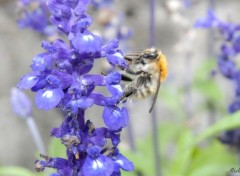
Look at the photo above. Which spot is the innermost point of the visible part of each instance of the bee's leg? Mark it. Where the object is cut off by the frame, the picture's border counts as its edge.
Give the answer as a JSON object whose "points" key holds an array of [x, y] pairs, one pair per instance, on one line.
{"points": [[133, 59], [126, 78], [129, 92], [130, 58], [123, 77], [130, 71]]}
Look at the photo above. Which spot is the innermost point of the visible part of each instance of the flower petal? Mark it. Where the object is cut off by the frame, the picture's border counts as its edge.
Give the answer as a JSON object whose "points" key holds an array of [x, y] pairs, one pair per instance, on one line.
{"points": [[234, 106], [48, 99], [124, 163], [86, 43], [83, 103], [66, 79], [116, 59], [39, 63], [21, 104], [115, 118], [98, 98], [110, 46], [99, 137], [28, 81], [113, 78], [102, 166], [98, 80], [227, 68], [115, 90], [81, 7]]}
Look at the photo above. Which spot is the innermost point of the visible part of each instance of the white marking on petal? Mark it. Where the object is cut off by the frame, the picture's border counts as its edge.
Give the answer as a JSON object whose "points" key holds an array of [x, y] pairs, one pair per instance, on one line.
{"points": [[88, 37], [97, 164], [31, 78], [120, 162], [48, 94], [118, 54], [118, 87], [117, 113]]}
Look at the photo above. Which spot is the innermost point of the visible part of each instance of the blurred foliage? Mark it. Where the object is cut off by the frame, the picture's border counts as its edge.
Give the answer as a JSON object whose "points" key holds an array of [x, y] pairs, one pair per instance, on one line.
{"points": [[15, 171], [173, 102], [231, 121], [181, 154], [56, 148], [204, 82]]}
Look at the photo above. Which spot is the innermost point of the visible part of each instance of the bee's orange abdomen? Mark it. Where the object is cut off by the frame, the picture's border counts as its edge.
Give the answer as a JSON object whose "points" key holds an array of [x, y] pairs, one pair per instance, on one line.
{"points": [[163, 66]]}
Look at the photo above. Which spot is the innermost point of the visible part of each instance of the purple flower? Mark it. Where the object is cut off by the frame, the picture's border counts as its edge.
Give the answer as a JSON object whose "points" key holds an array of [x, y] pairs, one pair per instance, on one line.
{"points": [[59, 163], [230, 48], [61, 79], [236, 44], [86, 43], [207, 22], [90, 143], [49, 98], [116, 59], [121, 162], [97, 164], [234, 106], [21, 104], [40, 63], [34, 15], [28, 81], [68, 14], [115, 118], [227, 68], [227, 30], [231, 137]]}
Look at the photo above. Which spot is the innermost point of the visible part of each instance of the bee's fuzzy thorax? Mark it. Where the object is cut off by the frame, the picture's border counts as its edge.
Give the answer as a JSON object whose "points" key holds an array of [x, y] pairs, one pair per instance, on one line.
{"points": [[163, 66]]}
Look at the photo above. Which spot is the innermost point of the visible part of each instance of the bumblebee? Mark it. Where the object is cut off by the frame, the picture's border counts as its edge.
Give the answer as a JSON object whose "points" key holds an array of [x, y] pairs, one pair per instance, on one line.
{"points": [[148, 69]]}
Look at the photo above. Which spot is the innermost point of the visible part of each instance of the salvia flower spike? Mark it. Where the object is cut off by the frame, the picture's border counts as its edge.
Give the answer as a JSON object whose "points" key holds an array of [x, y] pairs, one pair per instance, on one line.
{"points": [[61, 79]]}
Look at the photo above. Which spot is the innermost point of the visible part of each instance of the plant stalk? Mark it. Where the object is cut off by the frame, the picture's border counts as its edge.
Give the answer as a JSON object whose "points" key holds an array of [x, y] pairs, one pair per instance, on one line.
{"points": [[36, 134], [154, 113]]}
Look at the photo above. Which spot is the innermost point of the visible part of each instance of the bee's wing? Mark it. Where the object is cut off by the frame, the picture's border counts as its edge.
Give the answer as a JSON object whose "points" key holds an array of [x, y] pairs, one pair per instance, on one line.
{"points": [[156, 94], [133, 57]]}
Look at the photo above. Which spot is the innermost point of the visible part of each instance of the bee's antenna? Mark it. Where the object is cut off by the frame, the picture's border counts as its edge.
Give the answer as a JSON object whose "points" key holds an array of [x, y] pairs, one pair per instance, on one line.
{"points": [[140, 50]]}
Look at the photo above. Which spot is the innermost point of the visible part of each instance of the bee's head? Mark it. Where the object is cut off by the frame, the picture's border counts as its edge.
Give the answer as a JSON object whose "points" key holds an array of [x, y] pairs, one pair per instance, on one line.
{"points": [[150, 55]]}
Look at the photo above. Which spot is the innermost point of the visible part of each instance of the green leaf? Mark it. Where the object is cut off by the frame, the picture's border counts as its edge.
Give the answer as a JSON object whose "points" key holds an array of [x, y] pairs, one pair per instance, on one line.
{"points": [[146, 167], [220, 162], [56, 148], [187, 149], [228, 122], [211, 169], [168, 134], [15, 171], [183, 154]]}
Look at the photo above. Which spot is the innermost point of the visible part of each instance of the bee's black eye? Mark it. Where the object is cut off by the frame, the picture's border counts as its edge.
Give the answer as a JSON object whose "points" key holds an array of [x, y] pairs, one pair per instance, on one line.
{"points": [[150, 56]]}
